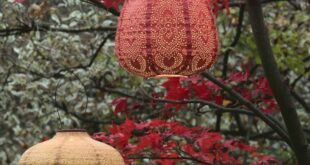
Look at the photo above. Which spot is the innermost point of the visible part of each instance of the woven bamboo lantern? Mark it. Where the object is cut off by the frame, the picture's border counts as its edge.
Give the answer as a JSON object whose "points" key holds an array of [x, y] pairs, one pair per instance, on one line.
{"points": [[166, 38], [71, 147]]}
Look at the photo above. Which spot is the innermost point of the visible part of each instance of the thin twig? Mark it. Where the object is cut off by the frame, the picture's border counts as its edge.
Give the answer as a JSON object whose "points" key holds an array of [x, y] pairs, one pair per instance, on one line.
{"points": [[25, 28], [100, 4], [6, 78], [276, 126], [235, 40], [201, 102]]}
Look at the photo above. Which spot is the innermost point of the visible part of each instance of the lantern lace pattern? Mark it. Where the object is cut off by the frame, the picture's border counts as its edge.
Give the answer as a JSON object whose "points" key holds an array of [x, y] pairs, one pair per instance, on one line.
{"points": [[166, 37]]}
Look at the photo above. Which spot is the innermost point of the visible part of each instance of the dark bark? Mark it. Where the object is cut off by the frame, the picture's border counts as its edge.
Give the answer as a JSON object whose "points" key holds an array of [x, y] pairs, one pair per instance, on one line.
{"points": [[218, 121], [280, 91]]}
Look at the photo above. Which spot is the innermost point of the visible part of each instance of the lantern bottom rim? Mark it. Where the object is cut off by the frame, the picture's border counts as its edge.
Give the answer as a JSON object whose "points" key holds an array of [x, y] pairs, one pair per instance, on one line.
{"points": [[170, 76]]}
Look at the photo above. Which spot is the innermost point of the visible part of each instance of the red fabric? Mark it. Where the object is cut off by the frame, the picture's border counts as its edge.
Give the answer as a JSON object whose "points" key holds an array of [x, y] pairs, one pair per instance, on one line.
{"points": [[166, 37]]}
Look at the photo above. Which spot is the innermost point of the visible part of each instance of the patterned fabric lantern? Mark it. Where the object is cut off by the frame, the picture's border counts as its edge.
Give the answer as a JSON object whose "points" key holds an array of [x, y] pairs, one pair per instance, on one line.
{"points": [[71, 147], [164, 38]]}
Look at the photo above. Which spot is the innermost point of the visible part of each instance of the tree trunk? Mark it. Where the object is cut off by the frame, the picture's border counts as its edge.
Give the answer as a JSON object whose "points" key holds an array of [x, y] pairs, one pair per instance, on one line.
{"points": [[279, 88]]}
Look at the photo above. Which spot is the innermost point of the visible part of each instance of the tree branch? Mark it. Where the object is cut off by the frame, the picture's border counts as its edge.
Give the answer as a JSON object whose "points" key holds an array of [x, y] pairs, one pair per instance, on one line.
{"points": [[237, 3], [101, 5], [276, 126], [26, 28], [201, 102], [59, 73], [301, 101], [280, 90], [225, 66], [64, 108], [6, 78]]}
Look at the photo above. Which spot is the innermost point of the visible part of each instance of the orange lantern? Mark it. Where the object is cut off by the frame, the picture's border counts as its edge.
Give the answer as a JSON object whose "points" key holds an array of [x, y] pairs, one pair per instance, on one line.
{"points": [[165, 38]]}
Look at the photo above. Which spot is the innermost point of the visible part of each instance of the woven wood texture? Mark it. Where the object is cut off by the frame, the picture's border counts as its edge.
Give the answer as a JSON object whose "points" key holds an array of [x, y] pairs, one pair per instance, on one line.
{"points": [[71, 148], [166, 37]]}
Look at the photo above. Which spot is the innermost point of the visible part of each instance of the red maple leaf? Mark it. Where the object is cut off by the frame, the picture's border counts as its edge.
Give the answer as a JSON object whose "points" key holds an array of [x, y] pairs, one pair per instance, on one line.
{"points": [[172, 83], [157, 123], [20, 1], [102, 137], [183, 130], [153, 100], [201, 91], [265, 159], [121, 105], [161, 140], [188, 148], [153, 140], [175, 91], [168, 161], [269, 106], [206, 142], [45, 138], [121, 134], [112, 3], [233, 144], [216, 5], [263, 87], [240, 76]]}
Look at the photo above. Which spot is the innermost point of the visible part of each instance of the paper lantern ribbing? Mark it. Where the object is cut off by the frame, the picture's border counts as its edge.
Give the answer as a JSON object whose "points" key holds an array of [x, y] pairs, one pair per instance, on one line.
{"points": [[166, 37], [71, 147]]}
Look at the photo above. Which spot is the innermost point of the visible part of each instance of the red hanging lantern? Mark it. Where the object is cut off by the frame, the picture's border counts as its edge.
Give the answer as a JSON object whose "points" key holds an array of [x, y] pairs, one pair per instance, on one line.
{"points": [[157, 38]]}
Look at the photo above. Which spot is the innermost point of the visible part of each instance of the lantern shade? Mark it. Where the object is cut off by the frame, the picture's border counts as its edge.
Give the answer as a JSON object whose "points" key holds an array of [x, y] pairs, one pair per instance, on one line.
{"points": [[71, 147], [166, 37]]}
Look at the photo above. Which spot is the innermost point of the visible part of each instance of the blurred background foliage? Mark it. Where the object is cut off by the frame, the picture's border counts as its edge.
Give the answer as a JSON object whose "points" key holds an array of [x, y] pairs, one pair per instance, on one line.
{"points": [[63, 58]]}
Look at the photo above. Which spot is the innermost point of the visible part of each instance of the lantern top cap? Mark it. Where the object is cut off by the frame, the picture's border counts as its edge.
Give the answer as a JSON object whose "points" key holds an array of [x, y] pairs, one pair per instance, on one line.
{"points": [[72, 130]]}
